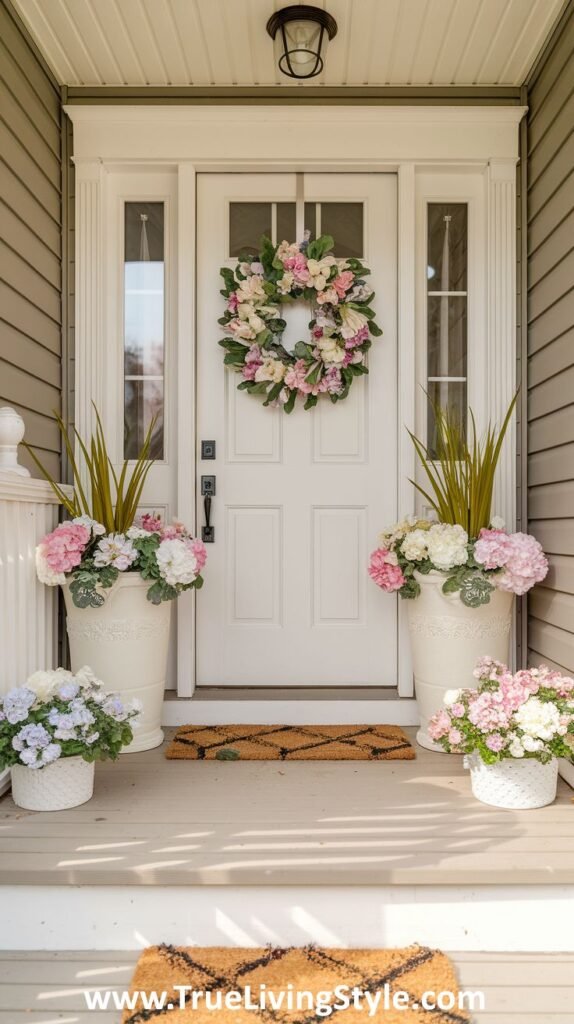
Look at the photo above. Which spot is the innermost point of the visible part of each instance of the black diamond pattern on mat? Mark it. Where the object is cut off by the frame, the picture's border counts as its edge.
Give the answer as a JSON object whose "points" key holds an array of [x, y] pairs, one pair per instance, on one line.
{"points": [[270, 739], [349, 974]]}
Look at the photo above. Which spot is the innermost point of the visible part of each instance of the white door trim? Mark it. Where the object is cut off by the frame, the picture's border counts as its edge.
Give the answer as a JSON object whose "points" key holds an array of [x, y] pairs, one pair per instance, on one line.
{"points": [[189, 139]]}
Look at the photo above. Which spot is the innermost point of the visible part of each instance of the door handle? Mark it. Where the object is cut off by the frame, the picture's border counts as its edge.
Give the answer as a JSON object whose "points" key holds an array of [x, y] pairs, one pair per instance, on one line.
{"points": [[208, 490]]}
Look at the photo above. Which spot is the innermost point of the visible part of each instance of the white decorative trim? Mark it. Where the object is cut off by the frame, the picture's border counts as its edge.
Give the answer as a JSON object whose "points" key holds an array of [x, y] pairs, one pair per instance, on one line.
{"points": [[89, 294], [501, 373], [18, 488], [130, 917], [452, 627], [406, 386], [289, 712]]}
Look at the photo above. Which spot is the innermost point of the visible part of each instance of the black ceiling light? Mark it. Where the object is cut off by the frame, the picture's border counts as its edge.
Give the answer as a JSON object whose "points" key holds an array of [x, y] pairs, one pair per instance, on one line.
{"points": [[301, 35]]}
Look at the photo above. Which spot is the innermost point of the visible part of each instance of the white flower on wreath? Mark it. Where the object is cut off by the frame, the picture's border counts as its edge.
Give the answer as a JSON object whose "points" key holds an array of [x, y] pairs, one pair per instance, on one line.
{"points": [[353, 321], [251, 288], [330, 351], [285, 283], [319, 271], [538, 720], [414, 546], [176, 562], [242, 330], [271, 369], [447, 545]]}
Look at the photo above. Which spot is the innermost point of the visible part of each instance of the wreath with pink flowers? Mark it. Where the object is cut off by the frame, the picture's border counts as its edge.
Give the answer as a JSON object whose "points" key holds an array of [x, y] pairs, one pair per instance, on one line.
{"points": [[341, 328]]}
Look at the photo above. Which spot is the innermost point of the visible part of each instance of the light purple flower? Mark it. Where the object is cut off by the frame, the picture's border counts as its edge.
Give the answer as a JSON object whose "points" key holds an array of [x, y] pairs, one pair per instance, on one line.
{"points": [[68, 691], [17, 704], [29, 757], [51, 753]]}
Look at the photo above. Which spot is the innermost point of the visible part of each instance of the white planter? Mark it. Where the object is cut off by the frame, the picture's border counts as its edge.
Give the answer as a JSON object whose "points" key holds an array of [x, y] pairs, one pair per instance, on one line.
{"points": [[63, 784], [517, 784], [125, 642], [447, 639]]}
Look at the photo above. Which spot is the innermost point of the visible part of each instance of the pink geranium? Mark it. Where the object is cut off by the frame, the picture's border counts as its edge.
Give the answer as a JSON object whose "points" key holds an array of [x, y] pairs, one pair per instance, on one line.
{"points": [[492, 549], [385, 571], [358, 339], [198, 548], [64, 547], [526, 564], [149, 522]]}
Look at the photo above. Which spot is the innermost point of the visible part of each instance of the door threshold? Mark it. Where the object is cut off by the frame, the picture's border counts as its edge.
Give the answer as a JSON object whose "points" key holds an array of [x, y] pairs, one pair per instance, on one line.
{"points": [[295, 693]]}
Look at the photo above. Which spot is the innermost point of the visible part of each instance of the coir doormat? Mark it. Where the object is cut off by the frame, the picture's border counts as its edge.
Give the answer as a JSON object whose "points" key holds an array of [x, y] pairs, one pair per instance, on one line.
{"points": [[291, 743], [294, 986]]}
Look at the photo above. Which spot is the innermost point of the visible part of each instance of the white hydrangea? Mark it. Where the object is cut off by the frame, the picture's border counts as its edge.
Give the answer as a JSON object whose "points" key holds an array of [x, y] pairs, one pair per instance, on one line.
{"points": [[46, 684], [176, 562], [447, 545], [115, 550], [452, 696], [136, 533], [515, 748], [414, 546], [538, 720], [44, 573], [91, 524]]}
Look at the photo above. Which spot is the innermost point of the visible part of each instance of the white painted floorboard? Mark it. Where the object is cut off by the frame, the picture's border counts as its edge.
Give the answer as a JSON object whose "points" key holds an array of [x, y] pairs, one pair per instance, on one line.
{"points": [[47, 988]]}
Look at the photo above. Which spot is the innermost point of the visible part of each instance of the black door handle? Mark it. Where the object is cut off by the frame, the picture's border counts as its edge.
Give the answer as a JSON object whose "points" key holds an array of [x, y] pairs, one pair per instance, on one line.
{"points": [[208, 531]]}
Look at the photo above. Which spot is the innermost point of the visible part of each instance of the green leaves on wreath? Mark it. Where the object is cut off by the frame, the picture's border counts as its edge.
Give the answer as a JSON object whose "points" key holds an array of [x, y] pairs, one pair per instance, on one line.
{"points": [[229, 281], [317, 249], [274, 393]]}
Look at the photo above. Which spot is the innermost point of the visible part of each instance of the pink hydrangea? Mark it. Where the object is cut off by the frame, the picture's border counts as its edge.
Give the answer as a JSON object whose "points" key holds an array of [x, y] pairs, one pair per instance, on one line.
{"points": [[297, 264], [488, 712], [457, 709], [332, 381], [357, 339], [295, 376], [385, 571], [253, 360], [488, 668], [173, 531], [495, 742], [526, 564], [455, 737], [492, 549], [64, 547]]}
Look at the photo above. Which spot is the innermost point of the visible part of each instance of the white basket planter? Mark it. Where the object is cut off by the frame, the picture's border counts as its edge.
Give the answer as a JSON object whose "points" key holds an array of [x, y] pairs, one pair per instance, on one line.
{"points": [[516, 784], [447, 639], [63, 784], [125, 642]]}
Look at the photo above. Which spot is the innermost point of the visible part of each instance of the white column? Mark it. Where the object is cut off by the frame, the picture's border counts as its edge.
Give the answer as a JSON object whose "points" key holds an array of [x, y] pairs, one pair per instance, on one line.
{"points": [[501, 365], [89, 299]]}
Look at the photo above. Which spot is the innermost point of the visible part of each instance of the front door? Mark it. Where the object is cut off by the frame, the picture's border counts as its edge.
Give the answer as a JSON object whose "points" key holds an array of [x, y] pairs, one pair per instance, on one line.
{"points": [[299, 498]]}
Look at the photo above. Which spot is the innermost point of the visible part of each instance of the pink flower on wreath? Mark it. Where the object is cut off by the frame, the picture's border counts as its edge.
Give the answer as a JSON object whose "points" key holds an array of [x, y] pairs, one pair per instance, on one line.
{"points": [[492, 549], [253, 360], [526, 564], [198, 548], [332, 381], [298, 265], [233, 302], [343, 282], [64, 547], [358, 339], [329, 295], [295, 376], [385, 571], [150, 523]]}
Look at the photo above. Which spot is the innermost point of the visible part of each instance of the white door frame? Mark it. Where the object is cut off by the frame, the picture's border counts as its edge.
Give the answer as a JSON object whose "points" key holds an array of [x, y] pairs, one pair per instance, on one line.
{"points": [[186, 140]]}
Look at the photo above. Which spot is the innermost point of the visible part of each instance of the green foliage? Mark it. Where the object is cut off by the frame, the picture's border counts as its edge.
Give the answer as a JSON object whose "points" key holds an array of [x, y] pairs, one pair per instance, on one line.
{"points": [[461, 476], [109, 499]]}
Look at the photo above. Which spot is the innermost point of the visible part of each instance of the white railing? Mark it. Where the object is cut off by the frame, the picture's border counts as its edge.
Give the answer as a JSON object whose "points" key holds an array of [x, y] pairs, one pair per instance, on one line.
{"points": [[28, 610]]}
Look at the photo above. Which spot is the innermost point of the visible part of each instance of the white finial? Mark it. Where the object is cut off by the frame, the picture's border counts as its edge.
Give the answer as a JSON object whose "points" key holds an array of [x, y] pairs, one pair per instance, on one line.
{"points": [[11, 433]]}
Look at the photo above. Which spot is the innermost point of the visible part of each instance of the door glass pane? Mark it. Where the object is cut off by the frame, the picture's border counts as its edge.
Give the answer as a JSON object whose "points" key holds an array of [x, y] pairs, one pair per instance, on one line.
{"points": [[285, 223], [447, 299], [311, 220], [344, 221], [144, 324], [247, 223], [447, 245]]}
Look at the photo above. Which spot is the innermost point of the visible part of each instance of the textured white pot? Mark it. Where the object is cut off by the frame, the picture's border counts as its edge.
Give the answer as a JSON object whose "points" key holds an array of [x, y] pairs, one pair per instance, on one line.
{"points": [[125, 642], [447, 639], [63, 784], [518, 784]]}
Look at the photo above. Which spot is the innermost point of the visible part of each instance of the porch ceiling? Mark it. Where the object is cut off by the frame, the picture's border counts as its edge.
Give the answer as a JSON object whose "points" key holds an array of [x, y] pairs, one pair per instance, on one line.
{"points": [[224, 42]]}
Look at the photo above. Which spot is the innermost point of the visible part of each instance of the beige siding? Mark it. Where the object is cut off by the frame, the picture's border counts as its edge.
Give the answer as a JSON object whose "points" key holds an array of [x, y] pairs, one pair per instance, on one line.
{"points": [[30, 241], [551, 345]]}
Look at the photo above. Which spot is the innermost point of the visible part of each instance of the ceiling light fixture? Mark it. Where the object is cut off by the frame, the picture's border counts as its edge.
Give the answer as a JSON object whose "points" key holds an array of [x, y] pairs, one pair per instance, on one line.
{"points": [[301, 35]]}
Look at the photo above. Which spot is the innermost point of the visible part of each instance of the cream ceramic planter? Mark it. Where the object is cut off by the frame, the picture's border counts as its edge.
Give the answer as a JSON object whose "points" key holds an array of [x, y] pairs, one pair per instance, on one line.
{"points": [[125, 642], [517, 784], [66, 783], [447, 639]]}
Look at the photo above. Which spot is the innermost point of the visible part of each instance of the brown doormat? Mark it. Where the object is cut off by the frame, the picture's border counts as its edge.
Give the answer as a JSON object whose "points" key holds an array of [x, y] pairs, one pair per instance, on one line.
{"points": [[303, 979], [291, 743]]}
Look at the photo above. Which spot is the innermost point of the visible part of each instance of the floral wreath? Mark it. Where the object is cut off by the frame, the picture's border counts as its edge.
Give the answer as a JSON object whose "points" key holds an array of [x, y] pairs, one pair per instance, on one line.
{"points": [[340, 329]]}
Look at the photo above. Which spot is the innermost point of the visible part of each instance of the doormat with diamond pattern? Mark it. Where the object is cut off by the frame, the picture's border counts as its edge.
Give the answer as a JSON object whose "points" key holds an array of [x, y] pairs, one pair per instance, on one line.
{"points": [[291, 743], [286, 986]]}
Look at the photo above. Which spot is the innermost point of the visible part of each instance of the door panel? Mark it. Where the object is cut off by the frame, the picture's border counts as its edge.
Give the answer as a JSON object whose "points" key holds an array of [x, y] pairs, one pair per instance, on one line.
{"points": [[300, 499]]}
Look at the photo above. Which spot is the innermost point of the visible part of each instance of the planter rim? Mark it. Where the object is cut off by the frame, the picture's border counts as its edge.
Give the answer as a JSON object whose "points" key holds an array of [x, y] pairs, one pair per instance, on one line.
{"points": [[53, 764], [474, 760], [126, 579]]}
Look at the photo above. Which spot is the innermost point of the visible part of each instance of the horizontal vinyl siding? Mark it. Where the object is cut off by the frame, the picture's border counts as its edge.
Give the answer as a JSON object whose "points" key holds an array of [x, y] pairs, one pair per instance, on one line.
{"points": [[30, 242], [551, 348]]}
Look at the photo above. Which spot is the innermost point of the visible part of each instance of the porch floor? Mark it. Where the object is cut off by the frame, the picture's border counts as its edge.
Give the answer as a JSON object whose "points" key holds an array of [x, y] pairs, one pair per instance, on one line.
{"points": [[158, 822], [45, 988]]}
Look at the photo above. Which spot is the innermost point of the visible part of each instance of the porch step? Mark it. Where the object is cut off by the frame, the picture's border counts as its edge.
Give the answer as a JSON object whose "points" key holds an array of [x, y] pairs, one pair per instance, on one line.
{"points": [[41, 987]]}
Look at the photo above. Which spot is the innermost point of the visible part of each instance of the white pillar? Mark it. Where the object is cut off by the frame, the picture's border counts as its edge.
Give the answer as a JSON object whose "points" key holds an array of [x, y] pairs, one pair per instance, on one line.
{"points": [[89, 300], [501, 373], [11, 434]]}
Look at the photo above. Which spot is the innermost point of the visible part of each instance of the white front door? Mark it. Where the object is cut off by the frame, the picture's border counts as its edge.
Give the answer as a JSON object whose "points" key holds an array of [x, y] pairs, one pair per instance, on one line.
{"points": [[299, 499]]}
